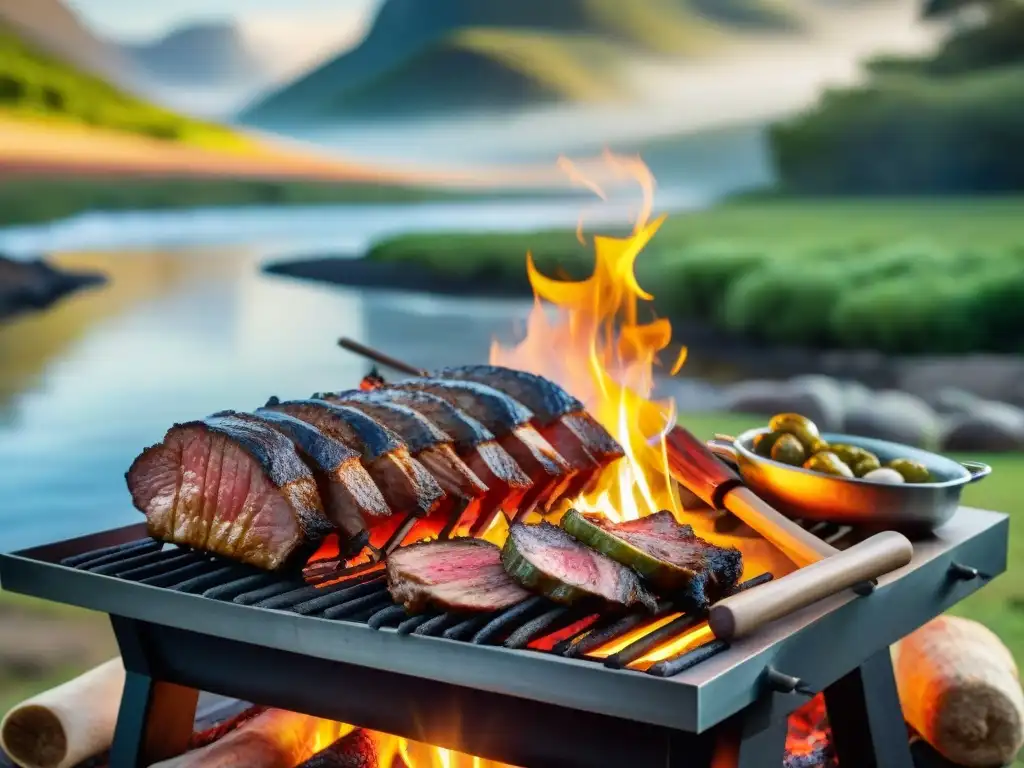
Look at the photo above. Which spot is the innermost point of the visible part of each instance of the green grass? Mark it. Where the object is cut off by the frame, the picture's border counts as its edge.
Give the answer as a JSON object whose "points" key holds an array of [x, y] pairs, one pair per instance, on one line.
{"points": [[1000, 604], [903, 276], [36, 85], [28, 200]]}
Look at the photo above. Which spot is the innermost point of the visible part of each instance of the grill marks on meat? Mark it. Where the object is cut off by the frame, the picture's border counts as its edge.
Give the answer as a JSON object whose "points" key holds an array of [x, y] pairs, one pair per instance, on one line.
{"points": [[474, 443], [405, 483], [545, 558], [455, 575], [510, 421], [429, 444], [232, 487], [346, 489], [561, 418]]}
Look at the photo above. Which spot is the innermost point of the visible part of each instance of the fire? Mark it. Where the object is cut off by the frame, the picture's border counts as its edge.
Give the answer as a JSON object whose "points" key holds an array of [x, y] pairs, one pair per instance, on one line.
{"points": [[600, 340], [596, 346], [396, 752]]}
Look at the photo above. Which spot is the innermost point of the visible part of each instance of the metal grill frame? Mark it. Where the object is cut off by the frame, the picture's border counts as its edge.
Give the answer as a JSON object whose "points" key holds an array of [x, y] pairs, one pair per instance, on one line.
{"points": [[521, 707]]}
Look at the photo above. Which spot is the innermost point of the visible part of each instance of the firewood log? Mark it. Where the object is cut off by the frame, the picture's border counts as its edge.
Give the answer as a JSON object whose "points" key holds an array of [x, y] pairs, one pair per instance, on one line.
{"points": [[67, 724], [959, 688], [275, 739]]}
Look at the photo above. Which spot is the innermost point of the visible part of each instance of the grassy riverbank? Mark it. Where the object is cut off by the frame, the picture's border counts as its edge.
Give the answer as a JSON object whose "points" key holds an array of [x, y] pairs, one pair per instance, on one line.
{"points": [[30, 200], [897, 275], [42, 644]]}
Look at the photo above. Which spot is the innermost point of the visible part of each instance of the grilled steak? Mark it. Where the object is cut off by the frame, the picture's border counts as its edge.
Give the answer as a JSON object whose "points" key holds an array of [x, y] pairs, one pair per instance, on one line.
{"points": [[546, 559], [561, 418], [510, 421], [346, 489], [406, 484], [232, 487], [429, 444], [473, 442], [667, 554], [453, 575]]}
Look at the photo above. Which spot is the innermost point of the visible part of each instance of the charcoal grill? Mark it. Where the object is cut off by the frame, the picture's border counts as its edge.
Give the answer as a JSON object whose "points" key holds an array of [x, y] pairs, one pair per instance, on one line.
{"points": [[522, 686]]}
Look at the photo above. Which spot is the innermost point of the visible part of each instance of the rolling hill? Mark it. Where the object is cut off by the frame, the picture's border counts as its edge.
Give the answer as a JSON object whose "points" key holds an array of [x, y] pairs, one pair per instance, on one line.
{"points": [[52, 28], [420, 57], [41, 86], [212, 54]]}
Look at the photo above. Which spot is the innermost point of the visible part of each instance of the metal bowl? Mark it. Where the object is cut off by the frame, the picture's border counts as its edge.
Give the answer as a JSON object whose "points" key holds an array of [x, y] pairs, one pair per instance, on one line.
{"points": [[803, 494]]}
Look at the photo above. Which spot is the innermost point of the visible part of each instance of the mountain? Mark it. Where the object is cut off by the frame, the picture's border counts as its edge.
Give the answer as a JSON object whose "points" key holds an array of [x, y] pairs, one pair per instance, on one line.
{"points": [[433, 56], [53, 29], [210, 55]]}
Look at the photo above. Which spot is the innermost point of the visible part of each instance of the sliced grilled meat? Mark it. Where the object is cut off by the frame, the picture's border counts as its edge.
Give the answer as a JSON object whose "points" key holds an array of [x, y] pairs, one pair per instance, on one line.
{"points": [[453, 575], [232, 487], [346, 489], [406, 484], [510, 421], [560, 417], [429, 444], [667, 554], [546, 559], [473, 442]]}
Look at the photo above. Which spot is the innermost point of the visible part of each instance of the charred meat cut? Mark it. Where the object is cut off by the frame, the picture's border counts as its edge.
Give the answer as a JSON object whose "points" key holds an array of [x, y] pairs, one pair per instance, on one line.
{"points": [[406, 484], [545, 559], [510, 421], [667, 554], [347, 491], [454, 575], [473, 442], [231, 487], [428, 443], [561, 418]]}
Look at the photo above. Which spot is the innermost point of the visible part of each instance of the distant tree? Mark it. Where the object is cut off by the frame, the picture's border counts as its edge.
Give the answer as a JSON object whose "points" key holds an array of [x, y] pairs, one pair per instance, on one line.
{"points": [[12, 90]]}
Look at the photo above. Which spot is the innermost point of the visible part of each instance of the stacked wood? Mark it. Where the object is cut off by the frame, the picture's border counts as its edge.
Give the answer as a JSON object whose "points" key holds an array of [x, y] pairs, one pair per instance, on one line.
{"points": [[68, 724], [274, 739], [960, 690]]}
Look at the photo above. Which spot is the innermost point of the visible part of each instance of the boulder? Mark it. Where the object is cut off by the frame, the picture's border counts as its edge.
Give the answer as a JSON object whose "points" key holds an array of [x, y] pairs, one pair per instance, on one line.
{"points": [[895, 416], [830, 396], [991, 427], [766, 398]]}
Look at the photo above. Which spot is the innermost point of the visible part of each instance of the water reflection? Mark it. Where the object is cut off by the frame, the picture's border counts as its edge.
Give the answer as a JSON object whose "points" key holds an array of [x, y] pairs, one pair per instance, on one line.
{"points": [[176, 335]]}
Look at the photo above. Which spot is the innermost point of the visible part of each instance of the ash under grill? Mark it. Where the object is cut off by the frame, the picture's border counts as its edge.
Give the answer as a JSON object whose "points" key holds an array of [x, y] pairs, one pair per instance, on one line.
{"points": [[534, 624]]}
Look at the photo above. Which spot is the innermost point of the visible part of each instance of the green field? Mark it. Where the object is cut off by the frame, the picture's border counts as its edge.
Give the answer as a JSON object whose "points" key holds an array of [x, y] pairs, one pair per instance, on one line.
{"points": [[31, 200], [38, 86], [903, 276], [998, 605]]}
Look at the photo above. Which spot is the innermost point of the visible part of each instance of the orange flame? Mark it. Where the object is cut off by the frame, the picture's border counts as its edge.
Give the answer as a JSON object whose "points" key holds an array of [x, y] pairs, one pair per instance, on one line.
{"points": [[396, 752], [600, 339], [596, 347]]}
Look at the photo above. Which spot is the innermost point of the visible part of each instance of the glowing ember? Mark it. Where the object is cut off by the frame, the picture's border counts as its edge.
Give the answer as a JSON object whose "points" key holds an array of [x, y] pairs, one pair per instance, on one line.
{"points": [[395, 752]]}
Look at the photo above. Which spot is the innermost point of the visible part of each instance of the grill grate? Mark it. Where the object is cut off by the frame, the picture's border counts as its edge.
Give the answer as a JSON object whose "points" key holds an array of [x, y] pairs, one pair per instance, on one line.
{"points": [[535, 624]]}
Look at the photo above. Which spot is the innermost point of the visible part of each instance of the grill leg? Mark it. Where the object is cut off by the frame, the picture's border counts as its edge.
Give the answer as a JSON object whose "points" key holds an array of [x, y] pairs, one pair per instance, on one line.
{"points": [[156, 718], [750, 739], [864, 712]]}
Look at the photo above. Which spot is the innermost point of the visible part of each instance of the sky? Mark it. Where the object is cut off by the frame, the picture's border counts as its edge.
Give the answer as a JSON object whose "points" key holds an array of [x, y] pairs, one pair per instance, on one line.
{"points": [[140, 19]]}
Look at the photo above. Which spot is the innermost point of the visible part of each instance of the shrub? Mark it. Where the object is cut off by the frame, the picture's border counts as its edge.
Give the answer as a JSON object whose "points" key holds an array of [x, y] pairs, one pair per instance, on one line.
{"points": [[695, 281]]}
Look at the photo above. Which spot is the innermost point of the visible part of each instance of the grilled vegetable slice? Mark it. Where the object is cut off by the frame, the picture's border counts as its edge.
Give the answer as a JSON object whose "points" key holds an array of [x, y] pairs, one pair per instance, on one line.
{"points": [[546, 559], [664, 552]]}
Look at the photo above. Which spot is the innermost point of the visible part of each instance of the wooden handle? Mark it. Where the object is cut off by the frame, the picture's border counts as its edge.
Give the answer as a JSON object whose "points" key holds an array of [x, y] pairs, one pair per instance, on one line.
{"points": [[748, 611], [696, 468], [379, 357], [799, 545]]}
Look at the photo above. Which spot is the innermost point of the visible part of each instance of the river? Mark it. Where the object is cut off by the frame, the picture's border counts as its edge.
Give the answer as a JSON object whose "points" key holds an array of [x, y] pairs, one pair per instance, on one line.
{"points": [[188, 325]]}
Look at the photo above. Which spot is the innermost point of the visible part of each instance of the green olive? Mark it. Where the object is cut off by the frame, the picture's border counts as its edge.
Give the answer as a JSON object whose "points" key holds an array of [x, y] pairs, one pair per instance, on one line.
{"points": [[805, 430], [819, 446], [867, 464], [789, 450], [851, 454], [912, 471], [828, 463], [763, 443]]}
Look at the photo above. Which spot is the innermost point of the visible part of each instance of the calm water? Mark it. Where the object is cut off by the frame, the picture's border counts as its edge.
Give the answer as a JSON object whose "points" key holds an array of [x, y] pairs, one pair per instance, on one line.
{"points": [[186, 328]]}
